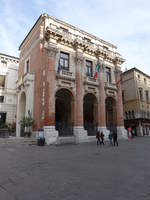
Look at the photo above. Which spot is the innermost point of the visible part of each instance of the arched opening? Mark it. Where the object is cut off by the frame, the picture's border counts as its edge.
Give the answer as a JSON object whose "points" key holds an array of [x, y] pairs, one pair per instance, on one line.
{"points": [[64, 112], [111, 118], [90, 114], [22, 110]]}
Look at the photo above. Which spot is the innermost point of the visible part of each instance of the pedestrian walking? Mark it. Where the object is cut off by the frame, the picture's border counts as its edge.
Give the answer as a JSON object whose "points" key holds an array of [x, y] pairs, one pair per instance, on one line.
{"points": [[115, 138], [102, 138], [98, 138], [110, 137]]}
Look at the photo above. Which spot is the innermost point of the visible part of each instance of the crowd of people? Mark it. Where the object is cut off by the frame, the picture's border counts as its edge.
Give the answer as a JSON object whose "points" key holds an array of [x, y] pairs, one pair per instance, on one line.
{"points": [[113, 138]]}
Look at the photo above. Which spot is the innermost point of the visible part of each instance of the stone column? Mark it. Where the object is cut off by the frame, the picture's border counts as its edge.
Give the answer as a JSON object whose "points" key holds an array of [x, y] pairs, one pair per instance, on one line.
{"points": [[51, 134], [101, 103], [122, 132], [79, 132]]}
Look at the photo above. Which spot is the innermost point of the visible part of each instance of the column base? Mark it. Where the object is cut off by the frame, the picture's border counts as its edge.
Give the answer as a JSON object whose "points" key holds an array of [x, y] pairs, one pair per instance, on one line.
{"points": [[51, 135], [105, 131], [122, 132], [80, 134]]}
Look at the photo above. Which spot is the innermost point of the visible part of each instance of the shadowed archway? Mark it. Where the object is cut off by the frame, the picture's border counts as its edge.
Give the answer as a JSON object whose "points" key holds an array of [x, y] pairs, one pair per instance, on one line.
{"points": [[64, 112], [111, 114], [90, 108]]}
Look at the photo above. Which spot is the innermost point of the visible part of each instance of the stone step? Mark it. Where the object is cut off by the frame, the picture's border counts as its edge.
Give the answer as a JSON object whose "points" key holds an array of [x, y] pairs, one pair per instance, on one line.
{"points": [[66, 140]]}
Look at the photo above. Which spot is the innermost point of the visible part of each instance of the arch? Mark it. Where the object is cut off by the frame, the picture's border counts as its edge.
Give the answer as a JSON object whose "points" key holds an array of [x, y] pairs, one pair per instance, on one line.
{"points": [[65, 89], [90, 114], [64, 112], [111, 114]]}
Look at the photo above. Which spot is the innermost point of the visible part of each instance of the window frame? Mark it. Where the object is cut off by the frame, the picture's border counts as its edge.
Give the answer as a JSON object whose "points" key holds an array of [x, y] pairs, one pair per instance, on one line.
{"points": [[3, 86], [89, 73], [2, 99], [141, 94], [63, 59], [108, 74]]}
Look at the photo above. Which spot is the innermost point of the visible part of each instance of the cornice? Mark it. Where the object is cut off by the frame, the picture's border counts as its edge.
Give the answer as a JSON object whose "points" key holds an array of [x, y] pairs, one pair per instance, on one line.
{"points": [[72, 41]]}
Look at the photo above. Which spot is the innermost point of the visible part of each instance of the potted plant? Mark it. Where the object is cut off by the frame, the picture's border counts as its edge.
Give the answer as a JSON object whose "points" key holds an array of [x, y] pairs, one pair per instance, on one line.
{"points": [[27, 123]]}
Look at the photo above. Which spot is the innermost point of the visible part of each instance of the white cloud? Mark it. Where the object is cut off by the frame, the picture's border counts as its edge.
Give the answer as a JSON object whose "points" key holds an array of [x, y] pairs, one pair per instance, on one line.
{"points": [[124, 23]]}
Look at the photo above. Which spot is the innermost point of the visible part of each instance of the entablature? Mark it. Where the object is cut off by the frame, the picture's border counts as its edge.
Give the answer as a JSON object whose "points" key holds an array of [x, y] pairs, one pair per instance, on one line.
{"points": [[77, 42]]}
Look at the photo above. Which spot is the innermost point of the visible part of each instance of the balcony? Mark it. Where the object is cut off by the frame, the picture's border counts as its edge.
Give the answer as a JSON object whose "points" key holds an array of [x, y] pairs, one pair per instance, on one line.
{"points": [[66, 75], [90, 81], [110, 86]]}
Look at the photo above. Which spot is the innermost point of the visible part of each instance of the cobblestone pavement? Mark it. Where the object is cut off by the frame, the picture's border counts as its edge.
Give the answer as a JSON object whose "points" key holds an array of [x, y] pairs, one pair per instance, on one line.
{"points": [[75, 172]]}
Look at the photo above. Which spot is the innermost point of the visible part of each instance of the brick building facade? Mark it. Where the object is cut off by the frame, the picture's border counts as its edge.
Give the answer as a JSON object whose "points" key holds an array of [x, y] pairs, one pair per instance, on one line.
{"points": [[56, 82]]}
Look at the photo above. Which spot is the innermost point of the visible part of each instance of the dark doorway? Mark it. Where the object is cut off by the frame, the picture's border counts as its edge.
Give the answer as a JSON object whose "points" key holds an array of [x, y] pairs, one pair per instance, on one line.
{"points": [[64, 112], [90, 114], [110, 113]]}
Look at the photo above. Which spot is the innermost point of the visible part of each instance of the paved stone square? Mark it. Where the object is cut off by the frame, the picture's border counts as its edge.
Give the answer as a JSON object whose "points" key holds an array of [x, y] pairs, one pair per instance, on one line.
{"points": [[75, 172]]}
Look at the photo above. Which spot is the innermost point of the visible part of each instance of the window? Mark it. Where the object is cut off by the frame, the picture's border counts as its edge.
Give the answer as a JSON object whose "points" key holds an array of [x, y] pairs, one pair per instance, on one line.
{"points": [[64, 29], [27, 66], [147, 95], [89, 71], [64, 61], [144, 80], [2, 81], [133, 115], [2, 118], [4, 63], [108, 75], [1, 99], [138, 76], [87, 40], [141, 93]]}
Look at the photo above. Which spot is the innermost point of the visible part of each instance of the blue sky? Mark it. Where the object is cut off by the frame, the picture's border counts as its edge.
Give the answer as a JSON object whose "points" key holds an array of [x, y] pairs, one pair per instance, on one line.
{"points": [[124, 23]]}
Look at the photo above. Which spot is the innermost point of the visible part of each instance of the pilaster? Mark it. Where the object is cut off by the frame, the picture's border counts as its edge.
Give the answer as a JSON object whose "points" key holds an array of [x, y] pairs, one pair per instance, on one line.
{"points": [[79, 132], [101, 103]]}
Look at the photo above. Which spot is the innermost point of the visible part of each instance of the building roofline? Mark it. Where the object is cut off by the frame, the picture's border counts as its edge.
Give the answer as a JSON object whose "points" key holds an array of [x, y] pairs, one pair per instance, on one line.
{"points": [[85, 32], [3, 54], [135, 69], [31, 29], [67, 24]]}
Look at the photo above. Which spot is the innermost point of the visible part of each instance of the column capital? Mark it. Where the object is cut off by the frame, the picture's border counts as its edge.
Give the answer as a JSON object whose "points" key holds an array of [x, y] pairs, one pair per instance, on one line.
{"points": [[79, 57], [52, 49]]}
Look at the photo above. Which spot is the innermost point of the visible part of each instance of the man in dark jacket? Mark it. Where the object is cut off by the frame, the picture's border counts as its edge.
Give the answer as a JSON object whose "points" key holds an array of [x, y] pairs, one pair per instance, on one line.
{"points": [[115, 138]]}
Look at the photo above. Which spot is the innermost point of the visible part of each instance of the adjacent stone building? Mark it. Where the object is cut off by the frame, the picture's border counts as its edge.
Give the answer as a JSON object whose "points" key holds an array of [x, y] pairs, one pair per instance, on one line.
{"points": [[8, 77], [136, 101], [56, 82]]}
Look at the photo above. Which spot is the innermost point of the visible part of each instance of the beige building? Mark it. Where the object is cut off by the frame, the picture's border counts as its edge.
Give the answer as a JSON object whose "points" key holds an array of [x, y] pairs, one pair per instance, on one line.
{"points": [[56, 82], [8, 77], [136, 101]]}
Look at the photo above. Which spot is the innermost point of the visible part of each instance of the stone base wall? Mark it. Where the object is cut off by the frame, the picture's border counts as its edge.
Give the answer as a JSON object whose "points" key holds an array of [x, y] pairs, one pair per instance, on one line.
{"points": [[122, 133], [80, 134], [51, 135]]}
